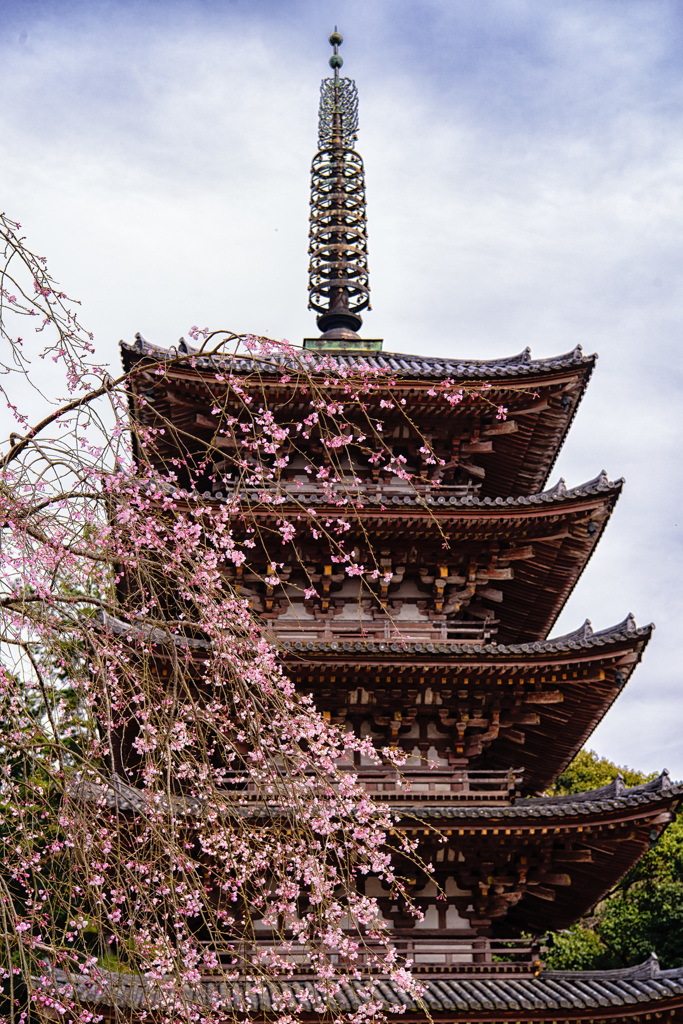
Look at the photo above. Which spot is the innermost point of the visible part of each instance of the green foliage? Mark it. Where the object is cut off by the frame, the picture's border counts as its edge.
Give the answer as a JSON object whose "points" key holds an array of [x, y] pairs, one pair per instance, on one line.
{"points": [[577, 949], [648, 916], [645, 911], [589, 771]]}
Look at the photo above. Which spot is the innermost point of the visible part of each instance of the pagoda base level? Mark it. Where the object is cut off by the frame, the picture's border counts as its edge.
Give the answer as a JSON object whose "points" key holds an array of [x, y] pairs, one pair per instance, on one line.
{"points": [[639, 993]]}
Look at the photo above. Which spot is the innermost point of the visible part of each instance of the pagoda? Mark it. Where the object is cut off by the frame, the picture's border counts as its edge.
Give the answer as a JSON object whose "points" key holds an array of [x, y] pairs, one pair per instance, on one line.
{"points": [[449, 658]]}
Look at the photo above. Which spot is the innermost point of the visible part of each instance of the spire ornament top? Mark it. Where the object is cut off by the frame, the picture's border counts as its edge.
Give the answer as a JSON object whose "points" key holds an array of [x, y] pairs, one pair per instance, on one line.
{"points": [[338, 287]]}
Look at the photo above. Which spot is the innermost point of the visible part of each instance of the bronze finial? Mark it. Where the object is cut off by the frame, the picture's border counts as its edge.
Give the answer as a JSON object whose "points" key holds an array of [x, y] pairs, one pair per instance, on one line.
{"points": [[338, 286], [336, 61]]}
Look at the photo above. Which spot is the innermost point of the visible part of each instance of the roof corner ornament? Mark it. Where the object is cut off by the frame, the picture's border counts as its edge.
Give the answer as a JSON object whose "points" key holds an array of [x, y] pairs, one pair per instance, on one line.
{"points": [[338, 286]]}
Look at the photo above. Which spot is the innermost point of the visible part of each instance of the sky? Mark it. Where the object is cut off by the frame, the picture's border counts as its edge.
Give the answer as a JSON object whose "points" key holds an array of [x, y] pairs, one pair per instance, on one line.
{"points": [[524, 168]]}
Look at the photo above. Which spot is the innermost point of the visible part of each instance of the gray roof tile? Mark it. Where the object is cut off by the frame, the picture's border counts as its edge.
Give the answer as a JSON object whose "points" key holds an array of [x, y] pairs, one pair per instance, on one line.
{"points": [[597, 801], [552, 990], [402, 364], [434, 500], [581, 639]]}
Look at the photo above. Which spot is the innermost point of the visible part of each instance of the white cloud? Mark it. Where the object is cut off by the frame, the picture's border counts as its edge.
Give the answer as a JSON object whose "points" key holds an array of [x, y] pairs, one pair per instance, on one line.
{"points": [[524, 170]]}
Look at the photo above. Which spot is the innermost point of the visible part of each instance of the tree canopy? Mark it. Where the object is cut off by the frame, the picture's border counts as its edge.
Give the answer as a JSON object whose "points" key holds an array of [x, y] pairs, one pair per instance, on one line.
{"points": [[644, 913]]}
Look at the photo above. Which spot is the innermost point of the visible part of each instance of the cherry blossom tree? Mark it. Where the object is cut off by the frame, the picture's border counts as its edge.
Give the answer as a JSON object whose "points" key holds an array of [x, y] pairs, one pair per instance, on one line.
{"points": [[176, 820]]}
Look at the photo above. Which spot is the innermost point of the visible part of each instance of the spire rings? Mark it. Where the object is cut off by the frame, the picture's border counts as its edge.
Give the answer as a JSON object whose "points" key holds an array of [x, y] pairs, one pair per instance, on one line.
{"points": [[338, 237], [336, 191], [338, 261], [338, 280]]}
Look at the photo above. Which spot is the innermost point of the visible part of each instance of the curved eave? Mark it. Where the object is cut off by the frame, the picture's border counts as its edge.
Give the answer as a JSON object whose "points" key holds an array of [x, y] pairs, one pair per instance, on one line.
{"points": [[579, 847], [403, 366], [520, 463], [616, 830], [562, 527], [572, 648], [413, 502], [568, 684], [577, 810], [633, 993]]}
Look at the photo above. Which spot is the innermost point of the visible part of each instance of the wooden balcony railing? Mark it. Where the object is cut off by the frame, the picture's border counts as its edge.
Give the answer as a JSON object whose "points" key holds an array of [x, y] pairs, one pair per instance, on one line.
{"points": [[433, 784], [418, 784], [382, 490], [425, 951], [405, 637]]}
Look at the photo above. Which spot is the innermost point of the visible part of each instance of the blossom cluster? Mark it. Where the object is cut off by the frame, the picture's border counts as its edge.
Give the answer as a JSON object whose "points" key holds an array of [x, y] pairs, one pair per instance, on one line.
{"points": [[174, 813]]}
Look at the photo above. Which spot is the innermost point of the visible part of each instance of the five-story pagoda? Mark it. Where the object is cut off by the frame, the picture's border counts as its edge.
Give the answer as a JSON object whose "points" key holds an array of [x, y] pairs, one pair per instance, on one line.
{"points": [[441, 649]]}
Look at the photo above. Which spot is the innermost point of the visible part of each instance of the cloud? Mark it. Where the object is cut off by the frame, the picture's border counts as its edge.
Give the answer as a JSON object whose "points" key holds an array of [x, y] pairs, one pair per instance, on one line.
{"points": [[524, 171]]}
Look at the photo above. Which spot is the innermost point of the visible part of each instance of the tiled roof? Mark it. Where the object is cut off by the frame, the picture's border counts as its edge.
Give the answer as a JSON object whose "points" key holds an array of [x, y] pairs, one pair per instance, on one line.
{"points": [[558, 494], [402, 364], [625, 990], [434, 500], [615, 790], [115, 792], [580, 639], [614, 797], [520, 463]]}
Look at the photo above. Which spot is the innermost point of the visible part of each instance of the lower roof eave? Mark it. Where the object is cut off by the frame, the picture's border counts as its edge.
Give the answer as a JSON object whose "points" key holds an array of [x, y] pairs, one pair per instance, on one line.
{"points": [[634, 993], [671, 1009]]}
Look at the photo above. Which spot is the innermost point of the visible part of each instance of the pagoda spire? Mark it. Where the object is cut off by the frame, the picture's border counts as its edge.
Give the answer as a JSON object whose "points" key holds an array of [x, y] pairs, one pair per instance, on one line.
{"points": [[338, 287]]}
